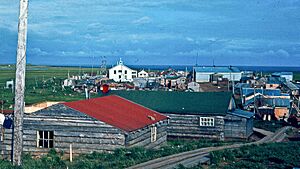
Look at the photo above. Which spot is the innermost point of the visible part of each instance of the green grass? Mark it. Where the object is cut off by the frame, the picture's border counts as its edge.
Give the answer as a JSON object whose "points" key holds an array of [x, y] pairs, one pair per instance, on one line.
{"points": [[40, 82], [296, 75], [272, 155], [120, 158], [267, 125]]}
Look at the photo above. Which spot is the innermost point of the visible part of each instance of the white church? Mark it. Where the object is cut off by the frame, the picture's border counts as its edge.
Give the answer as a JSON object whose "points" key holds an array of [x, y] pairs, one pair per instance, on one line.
{"points": [[122, 73]]}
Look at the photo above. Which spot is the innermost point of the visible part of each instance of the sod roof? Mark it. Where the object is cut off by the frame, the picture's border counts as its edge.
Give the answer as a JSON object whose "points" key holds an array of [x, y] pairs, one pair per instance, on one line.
{"points": [[208, 103]]}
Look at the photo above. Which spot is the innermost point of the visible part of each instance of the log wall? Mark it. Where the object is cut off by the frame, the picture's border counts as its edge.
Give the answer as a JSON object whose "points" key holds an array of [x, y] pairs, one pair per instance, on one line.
{"points": [[238, 127], [188, 126], [83, 132], [142, 137]]}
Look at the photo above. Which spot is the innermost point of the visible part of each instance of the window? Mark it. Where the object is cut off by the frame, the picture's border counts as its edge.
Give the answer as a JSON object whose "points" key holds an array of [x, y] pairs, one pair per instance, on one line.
{"points": [[120, 71], [115, 72], [119, 76], [153, 130], [133, 72], [133, 76], [125, 71], [45, 139], [207, 121]]}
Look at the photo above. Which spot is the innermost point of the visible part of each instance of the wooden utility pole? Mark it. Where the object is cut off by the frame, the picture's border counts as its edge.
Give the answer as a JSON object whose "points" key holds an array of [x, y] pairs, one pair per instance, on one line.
{"points": [[20, 84]]}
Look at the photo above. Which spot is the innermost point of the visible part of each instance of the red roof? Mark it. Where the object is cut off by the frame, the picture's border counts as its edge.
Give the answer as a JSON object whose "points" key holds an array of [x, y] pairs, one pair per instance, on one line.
{"points": [[118, 112]]}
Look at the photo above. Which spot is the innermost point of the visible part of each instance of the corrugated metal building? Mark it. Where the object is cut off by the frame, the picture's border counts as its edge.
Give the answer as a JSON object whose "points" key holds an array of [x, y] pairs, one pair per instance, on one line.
{"points": [[203, 73], [287, 75]]}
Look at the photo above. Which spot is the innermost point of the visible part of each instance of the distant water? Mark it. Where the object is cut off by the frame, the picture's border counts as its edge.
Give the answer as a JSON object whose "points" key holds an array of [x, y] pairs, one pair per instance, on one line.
{"points": [[190, 67], [242, 68], [184, 67]]}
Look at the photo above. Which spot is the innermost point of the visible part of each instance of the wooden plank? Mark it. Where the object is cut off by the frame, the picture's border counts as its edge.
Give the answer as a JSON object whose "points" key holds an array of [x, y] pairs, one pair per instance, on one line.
{"points": [[194, 135], [87, 134], [54, 119], [143, 141], [88, 146], [160, 141], [74, 129], [118, 141], [67, 123], [132, 140], [172, 128]]}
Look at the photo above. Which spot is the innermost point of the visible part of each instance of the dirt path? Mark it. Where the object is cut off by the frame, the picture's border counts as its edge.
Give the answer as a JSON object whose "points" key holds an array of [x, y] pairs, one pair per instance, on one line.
{"points": [[193, 157]]}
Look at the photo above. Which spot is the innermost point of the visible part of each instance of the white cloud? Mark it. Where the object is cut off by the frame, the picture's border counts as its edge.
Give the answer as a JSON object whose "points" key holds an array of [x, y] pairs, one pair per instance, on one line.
{"points": [[140, 52], [189, 39], [142, 20], [37, 51]]}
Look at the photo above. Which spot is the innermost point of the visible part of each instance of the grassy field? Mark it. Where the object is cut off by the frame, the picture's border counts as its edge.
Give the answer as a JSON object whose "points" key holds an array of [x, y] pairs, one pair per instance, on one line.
{"points": [[42, 84], [268, 125], [297, 76], [273, 155], [120, 158]]}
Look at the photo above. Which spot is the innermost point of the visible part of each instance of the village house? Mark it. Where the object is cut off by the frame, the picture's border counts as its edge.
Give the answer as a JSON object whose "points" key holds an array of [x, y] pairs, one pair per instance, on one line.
{"points": [[210, 115], [288, 76], [203, 74], [100, 124], [143, 74], [194, 87], [122, 73], [267, 103]]}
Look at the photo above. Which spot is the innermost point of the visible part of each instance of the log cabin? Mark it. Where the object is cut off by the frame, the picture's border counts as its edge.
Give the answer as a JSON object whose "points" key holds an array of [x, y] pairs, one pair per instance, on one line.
{"points": [[211, 115], [101, 124]]}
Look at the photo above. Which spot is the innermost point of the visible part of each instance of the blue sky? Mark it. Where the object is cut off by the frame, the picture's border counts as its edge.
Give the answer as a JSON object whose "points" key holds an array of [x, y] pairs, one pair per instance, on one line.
{"points": [[230, 32]]}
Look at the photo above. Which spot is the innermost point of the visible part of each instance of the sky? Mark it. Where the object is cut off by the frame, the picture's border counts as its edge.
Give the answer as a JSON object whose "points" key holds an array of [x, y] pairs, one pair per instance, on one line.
{"points": [[155, 32]]}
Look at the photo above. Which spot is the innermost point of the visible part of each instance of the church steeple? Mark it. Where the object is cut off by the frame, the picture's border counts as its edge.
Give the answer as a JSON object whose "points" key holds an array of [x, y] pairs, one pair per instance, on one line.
{"points": [[120, 62]]}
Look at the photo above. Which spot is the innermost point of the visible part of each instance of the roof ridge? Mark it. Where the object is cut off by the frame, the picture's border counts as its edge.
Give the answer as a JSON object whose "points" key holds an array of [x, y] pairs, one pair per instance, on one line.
{"points": [[140, 105], [117, 111]]}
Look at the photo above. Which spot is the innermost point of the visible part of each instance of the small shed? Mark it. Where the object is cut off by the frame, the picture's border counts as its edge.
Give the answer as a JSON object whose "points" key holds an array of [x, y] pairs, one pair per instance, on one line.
{"points": [[238, 124], [194, 86], [9, 84], [100, 124]]}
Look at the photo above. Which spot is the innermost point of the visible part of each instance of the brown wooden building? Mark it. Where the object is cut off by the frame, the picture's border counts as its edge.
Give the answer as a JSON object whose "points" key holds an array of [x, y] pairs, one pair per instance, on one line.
{"points": [[196, 114], [101, 124]]}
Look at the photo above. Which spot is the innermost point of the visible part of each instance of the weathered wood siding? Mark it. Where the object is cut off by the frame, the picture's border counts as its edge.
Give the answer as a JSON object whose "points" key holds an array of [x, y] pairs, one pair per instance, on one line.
{"points": [[5, 143], [238, 127], [86, 134], [188, 126], [249, 129], [142, 137]]}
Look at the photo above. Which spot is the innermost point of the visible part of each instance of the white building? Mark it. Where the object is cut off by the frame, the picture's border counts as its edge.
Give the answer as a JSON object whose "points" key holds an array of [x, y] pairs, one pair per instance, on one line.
{"points": [[287, 75], [122, 73], [203, 74], [143, 74]]}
